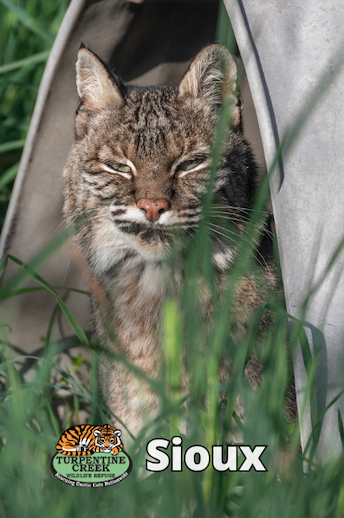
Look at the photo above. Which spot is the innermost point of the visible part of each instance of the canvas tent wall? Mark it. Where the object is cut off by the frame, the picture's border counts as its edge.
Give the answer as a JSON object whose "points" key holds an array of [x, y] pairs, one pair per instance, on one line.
{"points": [[293, 57]]}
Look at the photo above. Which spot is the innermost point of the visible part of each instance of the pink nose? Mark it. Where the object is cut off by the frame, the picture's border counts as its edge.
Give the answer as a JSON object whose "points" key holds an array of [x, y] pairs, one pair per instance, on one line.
{"points": [[153, 208]]}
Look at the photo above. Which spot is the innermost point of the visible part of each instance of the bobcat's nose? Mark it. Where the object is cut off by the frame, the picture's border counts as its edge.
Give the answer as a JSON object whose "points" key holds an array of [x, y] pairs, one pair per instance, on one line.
{"points": [[153, 208]]}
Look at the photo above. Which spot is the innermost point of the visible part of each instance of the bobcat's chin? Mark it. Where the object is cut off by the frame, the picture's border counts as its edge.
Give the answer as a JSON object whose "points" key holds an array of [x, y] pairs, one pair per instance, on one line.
{"points": [[152, 243], [156, 249]]}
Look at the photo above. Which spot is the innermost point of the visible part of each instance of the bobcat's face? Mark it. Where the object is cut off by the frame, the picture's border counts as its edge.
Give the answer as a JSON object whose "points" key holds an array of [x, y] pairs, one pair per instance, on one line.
{"points": [[144, 171], [140, 165]]}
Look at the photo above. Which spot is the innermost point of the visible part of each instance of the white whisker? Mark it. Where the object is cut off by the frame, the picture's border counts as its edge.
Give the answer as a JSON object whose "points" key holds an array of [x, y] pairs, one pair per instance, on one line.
{"points": [[224, 229], [242, 209]]}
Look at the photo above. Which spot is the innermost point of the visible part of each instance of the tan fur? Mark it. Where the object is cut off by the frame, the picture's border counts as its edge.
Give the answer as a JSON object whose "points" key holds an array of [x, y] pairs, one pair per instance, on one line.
{"points": [[151, 133]]}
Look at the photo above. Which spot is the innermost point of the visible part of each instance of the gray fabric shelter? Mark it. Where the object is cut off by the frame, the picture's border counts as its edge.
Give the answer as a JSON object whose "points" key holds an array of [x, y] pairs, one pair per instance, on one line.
{"points": [[292, 52]]}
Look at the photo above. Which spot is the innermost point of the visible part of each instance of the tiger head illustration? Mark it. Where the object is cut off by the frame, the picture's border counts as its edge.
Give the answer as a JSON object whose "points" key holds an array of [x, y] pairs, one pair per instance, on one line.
{"points": [[108, 439]]}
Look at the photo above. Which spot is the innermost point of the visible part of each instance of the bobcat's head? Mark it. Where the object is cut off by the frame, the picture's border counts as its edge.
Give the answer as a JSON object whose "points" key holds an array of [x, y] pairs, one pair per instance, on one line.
{"points": [[140, 165]]}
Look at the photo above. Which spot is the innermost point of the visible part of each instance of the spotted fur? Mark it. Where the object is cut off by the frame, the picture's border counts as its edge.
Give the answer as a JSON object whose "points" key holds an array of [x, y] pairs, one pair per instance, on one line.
{"points": [[154, 132], [86, 439]]}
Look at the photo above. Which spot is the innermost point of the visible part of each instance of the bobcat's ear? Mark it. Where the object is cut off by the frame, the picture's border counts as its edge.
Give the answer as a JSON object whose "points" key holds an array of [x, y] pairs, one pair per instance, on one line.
{"points": [[97, 87], [212, 76]]}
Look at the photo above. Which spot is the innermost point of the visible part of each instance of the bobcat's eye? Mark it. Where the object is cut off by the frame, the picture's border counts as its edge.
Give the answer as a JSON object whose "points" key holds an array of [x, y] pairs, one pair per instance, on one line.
{"points": [[121, 168], [117, 167], [191, 165]]}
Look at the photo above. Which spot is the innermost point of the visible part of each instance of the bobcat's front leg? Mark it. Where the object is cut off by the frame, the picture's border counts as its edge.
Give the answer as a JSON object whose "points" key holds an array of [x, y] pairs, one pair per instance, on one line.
{"points": [[128, 396]]}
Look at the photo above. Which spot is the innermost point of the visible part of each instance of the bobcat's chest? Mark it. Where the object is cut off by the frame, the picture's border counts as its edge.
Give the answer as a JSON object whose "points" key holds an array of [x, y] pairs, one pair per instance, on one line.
{"points": [[137, 291]]}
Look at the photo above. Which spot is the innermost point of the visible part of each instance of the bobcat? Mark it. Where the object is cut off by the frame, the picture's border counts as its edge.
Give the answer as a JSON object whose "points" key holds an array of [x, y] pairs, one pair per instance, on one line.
{"points": [[139, 169]]}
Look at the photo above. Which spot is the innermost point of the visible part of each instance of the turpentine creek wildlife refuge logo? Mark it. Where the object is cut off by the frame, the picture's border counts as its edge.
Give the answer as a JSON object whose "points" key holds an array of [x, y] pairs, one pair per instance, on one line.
{"points": [[91, 456]]}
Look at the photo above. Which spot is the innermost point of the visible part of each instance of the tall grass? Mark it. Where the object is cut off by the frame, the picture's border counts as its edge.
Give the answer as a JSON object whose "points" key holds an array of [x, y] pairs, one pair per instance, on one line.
{"points": [[30, 407]]}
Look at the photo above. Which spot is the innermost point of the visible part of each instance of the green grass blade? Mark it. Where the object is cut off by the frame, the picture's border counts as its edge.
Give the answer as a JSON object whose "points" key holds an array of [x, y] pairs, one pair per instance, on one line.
{"points": [[77, 329], [12, 145], [3, 264], [334, 400], [341, 427], [8, 176], [25, 62], [35, 263], [23, 291], [29, 22]]}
